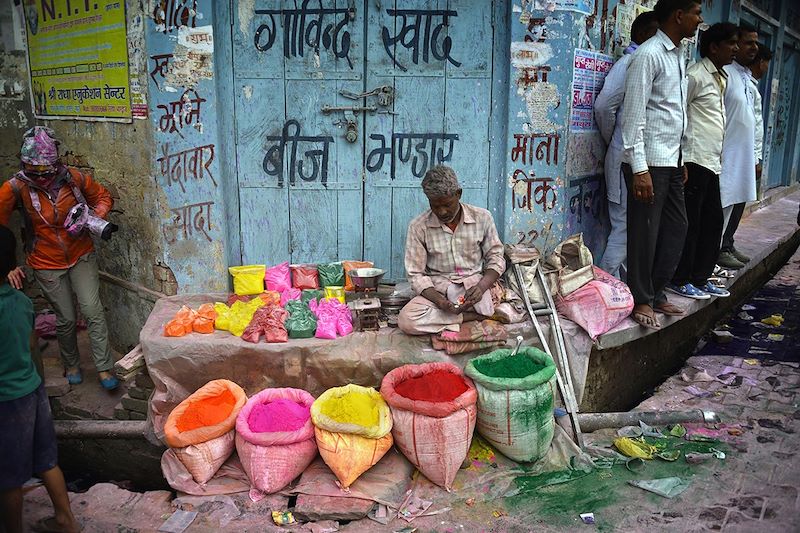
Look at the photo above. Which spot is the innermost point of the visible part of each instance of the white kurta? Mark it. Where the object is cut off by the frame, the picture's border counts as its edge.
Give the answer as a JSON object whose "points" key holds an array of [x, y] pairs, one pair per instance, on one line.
{"points": [[737, 181]]}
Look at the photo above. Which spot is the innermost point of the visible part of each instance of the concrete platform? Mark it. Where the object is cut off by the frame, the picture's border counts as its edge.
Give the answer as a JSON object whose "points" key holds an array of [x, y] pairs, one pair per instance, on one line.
{"points": [[630, 360]]}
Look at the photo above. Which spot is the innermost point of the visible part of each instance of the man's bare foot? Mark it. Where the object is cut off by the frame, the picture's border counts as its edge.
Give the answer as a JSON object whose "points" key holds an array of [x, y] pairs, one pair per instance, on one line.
{"points": [[105, 375], [644, 315]]}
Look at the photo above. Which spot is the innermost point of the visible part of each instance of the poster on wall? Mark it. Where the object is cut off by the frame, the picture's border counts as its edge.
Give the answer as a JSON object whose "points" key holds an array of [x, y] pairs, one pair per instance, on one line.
{"points": [[588, 74], [78, 59], [579, 6]]}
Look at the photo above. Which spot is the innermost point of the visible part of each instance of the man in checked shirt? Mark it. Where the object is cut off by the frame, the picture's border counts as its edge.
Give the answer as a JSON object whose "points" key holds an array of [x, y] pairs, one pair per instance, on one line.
{"points": [[453, 257], [653, 123]]}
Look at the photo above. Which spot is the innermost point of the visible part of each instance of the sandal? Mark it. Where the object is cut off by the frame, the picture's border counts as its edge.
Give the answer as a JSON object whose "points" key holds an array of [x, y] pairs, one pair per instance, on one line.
{"points": [[74, 378], [645, 320], [669, 309]]}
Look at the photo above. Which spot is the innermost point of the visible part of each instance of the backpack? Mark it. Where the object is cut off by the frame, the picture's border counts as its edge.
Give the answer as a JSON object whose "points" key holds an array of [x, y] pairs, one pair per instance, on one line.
{"points": [[28, 234]]}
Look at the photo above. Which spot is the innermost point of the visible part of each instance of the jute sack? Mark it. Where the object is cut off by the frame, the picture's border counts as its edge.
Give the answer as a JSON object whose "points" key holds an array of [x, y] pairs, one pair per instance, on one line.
{"points": [[434, 436], [203, 450], [516, 414], [272, 460], [349, 450]]}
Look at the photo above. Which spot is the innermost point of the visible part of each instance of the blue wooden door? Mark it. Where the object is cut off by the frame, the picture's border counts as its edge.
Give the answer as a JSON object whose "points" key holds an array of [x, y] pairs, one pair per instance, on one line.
{"points": [[436, 55], [418, 75], [786, 118], [300, 182]]}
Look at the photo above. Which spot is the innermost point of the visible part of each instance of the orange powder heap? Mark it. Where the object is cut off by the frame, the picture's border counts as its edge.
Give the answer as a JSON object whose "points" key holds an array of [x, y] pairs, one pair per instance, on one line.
{"points": [[207, 411]]}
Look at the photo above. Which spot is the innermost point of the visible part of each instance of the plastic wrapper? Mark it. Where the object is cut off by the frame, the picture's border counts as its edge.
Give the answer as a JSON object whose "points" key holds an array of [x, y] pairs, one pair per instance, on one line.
{"points": [[335, 292], [237, 317], [305, 277], [204, 321], [181, 323], [312, 294], [333, 318], [290, 294], [267, 321], [278, 278], [301, 323], [352, 265], [331, 274], [248, 279], [270, 297]]}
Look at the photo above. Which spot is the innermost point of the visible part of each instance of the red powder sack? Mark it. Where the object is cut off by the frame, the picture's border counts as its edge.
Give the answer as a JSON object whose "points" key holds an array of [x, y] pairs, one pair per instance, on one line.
{"points": [[437, 386], [305, 276], [280, 415], [207, 411]]}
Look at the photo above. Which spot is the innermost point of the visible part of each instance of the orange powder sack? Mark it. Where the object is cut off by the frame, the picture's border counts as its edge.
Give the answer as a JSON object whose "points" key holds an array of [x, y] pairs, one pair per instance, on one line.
{"points": [[207, 411]]}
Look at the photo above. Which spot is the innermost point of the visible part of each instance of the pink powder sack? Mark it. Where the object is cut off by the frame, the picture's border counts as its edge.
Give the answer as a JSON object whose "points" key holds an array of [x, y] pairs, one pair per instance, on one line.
{"points": [[279, 415]]}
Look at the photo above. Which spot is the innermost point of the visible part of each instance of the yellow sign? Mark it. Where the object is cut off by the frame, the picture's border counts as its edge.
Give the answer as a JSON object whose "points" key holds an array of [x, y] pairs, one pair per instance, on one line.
{"points": [[78, 59]]}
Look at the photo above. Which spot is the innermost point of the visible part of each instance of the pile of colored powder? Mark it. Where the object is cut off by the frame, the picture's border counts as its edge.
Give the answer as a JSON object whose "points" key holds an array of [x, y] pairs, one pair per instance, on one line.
{"points": [[352, 408], [516, 366], [207, 411], [280, 415], [438, 386]]}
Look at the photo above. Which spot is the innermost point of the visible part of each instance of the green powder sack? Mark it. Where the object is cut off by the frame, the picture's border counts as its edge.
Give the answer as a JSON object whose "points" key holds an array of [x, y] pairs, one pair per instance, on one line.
{"points": [[311, 294], [331, 275], [515, 366]]}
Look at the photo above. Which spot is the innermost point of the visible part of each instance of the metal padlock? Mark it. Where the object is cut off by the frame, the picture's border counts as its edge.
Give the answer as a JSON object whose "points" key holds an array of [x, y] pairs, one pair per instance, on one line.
{"points": [[351, 128], [386, 96]]}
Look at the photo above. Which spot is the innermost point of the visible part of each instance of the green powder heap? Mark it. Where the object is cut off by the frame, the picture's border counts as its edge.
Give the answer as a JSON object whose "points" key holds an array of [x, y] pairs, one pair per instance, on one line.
{"points": [[516, 366]]}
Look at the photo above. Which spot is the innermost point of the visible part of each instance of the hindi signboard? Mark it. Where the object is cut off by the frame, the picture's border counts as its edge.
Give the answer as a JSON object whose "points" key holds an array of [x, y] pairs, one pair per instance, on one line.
{"points": [[78, 59]]}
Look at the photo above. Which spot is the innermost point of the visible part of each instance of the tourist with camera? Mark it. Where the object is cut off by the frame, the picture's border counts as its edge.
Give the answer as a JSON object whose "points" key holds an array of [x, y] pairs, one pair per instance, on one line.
{"points": [[61, 208]]}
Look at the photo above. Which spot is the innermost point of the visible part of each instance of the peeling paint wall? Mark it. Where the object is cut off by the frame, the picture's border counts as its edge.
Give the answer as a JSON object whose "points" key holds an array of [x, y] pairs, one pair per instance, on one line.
{"points": [[185, 162], [119, 156], [554, 176]]}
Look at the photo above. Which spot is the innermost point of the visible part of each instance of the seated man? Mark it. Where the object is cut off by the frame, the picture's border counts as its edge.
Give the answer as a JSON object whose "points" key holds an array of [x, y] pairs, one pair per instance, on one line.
{"points": [[453, 256]]}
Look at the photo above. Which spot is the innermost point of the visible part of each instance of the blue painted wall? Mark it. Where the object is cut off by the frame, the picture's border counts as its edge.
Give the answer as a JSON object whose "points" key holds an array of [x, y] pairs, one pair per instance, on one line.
{"points": [[186, 157]]}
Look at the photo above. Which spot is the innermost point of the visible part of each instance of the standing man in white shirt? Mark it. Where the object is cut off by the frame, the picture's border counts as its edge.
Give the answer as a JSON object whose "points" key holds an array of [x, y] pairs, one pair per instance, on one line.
{"points": [[607, 109], [758, 70], [737, 181], [702, 154], [653, 123]]}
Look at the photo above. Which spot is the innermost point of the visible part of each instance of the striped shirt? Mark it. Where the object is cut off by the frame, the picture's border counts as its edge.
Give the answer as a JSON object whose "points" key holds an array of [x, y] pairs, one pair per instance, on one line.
{"points": [[654, 108], [437, 256]]}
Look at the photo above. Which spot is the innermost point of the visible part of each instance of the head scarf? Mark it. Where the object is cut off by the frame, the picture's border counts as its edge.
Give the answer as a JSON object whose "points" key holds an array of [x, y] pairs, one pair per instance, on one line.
{"points": [[39, 146]]}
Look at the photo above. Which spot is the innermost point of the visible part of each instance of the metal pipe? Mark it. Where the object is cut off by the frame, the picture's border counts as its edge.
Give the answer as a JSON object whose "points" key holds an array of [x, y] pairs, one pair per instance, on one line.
{"points": [[594, 421], [100, 429]]}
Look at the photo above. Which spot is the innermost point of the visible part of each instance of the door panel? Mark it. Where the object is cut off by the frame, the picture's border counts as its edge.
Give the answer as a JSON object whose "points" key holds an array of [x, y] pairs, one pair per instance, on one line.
{"points": [[442, 108], [786, 114], [297, 174]]}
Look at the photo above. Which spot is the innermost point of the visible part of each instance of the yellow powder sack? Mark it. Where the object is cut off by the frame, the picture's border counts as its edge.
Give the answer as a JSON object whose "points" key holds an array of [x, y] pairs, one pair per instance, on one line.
{"points": [[352, 408]]}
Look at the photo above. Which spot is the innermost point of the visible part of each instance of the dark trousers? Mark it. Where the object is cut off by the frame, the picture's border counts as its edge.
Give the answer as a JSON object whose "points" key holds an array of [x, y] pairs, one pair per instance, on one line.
{"points": [[655, 234], [704, 213], [730, 229]]}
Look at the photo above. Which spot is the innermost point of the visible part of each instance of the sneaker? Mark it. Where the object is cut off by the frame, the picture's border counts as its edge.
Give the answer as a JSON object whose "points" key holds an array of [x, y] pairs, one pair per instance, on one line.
{"points": [[740, 256], [727, 260], [715, 290], [689, 291], [723, 273]]}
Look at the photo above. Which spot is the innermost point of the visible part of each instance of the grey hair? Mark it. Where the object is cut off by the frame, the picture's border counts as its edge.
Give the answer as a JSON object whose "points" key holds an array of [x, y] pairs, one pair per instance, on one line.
{"points": [[440, 181]]}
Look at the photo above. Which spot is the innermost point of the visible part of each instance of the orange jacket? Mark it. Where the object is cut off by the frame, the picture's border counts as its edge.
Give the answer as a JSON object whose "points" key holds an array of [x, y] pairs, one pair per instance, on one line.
{"points": [[54, 248]]}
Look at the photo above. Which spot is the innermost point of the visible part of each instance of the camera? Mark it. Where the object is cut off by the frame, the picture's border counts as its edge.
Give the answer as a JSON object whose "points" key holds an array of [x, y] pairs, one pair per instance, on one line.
{"points": [[81, 218]]}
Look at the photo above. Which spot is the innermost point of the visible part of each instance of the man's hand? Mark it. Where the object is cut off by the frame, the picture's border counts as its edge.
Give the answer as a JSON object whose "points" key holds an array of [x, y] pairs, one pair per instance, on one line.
{"points": [[16, 277], [441, 301], [643, 187], [685, 174], [473, 295]]}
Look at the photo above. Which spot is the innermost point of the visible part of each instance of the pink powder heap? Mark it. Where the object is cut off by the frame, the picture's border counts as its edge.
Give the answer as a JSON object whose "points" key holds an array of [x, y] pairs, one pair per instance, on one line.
{"points": [[280, 415]]}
